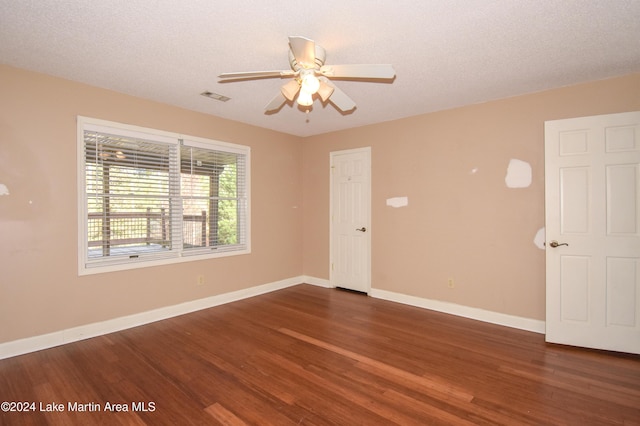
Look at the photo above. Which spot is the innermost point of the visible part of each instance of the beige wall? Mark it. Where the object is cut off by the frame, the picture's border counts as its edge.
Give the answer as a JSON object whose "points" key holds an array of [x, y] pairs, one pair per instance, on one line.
{"points": [[40, 290], [458, 224]]}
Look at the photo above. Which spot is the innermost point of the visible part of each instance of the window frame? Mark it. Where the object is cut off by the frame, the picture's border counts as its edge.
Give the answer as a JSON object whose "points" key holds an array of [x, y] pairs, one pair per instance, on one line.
{"points": [[179, 254]]}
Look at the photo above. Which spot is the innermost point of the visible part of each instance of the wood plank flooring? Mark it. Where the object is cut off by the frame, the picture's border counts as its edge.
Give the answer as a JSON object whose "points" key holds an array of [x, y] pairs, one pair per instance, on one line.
{"points": [[314, 356]]}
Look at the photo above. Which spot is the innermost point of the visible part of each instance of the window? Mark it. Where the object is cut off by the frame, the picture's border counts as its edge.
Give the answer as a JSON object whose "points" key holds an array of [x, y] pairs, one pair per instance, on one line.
{"points": [[148, 197]]}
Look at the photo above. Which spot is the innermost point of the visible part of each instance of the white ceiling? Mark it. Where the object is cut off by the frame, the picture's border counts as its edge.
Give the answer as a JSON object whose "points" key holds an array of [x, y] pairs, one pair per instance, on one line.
{"points": [[446, 53]]}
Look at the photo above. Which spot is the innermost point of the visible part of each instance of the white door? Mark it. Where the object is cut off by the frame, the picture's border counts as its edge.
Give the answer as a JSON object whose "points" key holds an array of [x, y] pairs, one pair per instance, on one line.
{"points": [[592, 195], [350, 238]]}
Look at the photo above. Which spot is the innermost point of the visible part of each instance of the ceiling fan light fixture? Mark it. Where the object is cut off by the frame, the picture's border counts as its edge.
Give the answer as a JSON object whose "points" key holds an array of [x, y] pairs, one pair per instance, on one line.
{"points": [[325, 91], [305, 98], [310, 83], [290, 89]]}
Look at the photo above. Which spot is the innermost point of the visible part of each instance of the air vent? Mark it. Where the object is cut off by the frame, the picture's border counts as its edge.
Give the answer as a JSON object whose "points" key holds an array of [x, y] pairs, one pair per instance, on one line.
{"points": [[216, 96]]}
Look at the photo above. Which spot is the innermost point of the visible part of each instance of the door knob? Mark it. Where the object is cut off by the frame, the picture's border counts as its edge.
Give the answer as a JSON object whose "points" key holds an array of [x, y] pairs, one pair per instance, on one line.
{"points": [[363, 229], [555, 244]]}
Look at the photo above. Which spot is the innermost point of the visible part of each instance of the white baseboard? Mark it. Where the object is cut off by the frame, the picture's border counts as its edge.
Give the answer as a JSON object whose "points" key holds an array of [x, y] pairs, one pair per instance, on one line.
{"points": [[320, 282], [512, 321], [57, 338]]}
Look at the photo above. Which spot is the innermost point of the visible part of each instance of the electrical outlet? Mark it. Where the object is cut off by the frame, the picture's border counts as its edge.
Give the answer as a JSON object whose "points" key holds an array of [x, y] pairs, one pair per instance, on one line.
{"points": [[200, 279], [450, 283]]}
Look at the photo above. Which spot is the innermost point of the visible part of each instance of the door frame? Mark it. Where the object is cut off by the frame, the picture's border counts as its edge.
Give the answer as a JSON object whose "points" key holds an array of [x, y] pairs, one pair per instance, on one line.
{"points": [[332, 155]]}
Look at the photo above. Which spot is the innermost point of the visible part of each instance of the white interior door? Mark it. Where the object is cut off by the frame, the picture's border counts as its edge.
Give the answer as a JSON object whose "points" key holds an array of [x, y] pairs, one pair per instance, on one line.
{"points": [[592, 195], [350, 239]]}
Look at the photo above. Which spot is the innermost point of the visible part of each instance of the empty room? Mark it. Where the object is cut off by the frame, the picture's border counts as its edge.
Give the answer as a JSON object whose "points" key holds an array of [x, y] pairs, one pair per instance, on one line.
{"points": [[409, 212]]}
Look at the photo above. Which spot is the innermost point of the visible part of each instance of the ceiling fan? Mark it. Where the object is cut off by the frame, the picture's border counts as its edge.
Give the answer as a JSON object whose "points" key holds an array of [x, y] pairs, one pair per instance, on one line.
{"points": [[311, 76]]}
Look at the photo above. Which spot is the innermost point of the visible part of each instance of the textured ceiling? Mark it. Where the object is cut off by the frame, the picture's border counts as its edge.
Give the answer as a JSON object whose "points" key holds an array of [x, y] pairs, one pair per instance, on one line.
{"points": [[446, 53]]}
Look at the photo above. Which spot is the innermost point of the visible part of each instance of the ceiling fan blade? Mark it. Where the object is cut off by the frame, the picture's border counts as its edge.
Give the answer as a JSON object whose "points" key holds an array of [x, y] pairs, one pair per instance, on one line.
{"points": [[304, 50], [385, 71], [275, 103], [256, 74], [290, 89], [340, 99]]}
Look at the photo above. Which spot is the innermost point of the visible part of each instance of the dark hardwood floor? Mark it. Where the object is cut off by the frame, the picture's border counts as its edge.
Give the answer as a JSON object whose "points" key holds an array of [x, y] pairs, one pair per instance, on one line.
{"points": [[310, 355]]}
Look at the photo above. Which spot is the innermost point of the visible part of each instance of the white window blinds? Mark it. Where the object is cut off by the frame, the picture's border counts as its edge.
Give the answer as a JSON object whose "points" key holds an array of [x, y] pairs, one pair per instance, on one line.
{"points": [[152, 197], [214, 199]]}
